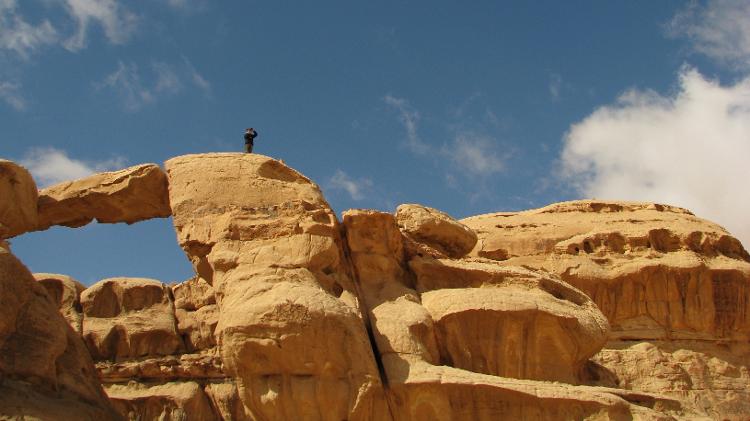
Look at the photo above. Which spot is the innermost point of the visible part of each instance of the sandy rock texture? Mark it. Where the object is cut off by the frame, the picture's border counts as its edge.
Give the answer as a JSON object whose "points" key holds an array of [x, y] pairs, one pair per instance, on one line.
{"points": [[458, 339], [130, 195], [65, 292], [290, 328], [18, 198], [45, 370], [436, 229], [675, 289]]}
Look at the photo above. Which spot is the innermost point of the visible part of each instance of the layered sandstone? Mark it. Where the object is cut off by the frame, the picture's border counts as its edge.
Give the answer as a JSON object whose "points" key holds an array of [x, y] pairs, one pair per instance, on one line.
{"points": [[675, 289], [65, 292], [130, 195]]}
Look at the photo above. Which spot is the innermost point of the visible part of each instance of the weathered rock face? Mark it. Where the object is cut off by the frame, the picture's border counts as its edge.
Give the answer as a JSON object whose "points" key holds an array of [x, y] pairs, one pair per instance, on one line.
{"points": [[129, 318], [294, 316], [45, 370], [436, 229], [660, 275], [290, 329], [130, 195], [446, 329], [18, 197], [65, 292]]}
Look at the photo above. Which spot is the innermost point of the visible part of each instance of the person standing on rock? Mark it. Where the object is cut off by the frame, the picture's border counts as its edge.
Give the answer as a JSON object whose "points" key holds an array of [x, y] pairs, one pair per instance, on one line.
{"points": [[250, 135]]}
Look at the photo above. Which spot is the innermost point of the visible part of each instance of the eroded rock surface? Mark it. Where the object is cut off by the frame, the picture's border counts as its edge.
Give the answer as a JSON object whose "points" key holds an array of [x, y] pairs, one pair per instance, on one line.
{"points": [[290, 328], [45, 369], [130, 195], [436, 229], [675, 289], [65, 292], [18, 198], [446, 329]]}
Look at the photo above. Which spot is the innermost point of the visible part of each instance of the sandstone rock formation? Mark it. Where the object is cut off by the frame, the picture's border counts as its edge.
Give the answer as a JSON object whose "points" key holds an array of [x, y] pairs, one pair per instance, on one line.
{"points": [[660, 275], [65, 292], [130, 195], [45, 371], [580, 310], [436, 229], [18, 197], [290, 327]]}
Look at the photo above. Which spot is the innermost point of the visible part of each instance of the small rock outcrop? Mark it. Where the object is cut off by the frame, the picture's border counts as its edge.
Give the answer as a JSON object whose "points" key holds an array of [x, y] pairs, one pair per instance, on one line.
{"points": [[66, 293], [130, 195], [436, 229], [18, 198]]}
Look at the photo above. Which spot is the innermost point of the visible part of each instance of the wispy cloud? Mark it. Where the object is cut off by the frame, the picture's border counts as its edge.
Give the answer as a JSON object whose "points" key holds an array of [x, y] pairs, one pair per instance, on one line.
{"points": [[409, 118], [197, 78], [720, 29], [357, 189], [51, 166], [474, 154], [555, 86], [689, 149], [118, 23], [20, 36], [126, 82], [10, 92], [167, 80], [137, 90]]}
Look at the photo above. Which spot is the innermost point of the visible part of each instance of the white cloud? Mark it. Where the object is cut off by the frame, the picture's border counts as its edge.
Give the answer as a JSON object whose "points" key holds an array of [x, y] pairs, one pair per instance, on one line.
{"points": [[118, 23], [690, 149], [10, 92], [720, 30], [409, 118], [127, 83], [20, 36], [356, 188], [51, 166], [474, 154]]}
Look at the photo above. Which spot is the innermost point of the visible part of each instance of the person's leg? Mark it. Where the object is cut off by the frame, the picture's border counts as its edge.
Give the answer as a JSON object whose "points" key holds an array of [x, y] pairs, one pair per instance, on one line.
{"points": [[248, 147]]}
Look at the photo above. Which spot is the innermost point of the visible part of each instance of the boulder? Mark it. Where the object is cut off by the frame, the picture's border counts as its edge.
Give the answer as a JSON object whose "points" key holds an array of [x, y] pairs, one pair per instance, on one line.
{"points": [[18, 198], [436, 229], [129, 318], [45, 369], [130, 195], [65, 292], [290, 330]]}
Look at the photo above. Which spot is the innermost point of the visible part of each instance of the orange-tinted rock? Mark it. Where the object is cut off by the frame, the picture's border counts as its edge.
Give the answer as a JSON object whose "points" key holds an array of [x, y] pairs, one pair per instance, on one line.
{"points": [[130, 195], [18, 198], [429, 314], [129, 317], [45, 369], [183, 401], [289, 329], [65, 292], [436, 229], [656, 271]]}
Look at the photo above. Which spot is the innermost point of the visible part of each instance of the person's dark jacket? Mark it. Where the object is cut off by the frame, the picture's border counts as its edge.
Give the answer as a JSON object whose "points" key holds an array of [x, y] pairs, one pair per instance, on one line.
{"points": [[250, 136]]}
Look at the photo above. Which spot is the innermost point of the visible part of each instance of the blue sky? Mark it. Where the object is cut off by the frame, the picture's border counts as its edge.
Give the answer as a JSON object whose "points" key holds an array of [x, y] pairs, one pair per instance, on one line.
{"points": [[469, 109]]}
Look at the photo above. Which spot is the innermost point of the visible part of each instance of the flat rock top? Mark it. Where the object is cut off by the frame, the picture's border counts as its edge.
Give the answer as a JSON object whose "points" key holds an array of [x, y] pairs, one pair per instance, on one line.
{"points": [[634, 224]]}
